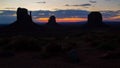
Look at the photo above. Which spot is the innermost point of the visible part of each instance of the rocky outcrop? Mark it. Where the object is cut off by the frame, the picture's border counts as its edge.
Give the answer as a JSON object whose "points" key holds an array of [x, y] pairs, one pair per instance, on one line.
{"points": [[24, 20], [52, 21], [23, 16], [95, 19]]}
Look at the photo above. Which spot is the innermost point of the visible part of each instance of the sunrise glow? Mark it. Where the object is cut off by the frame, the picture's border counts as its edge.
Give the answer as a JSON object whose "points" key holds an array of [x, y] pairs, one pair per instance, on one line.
{"points": [[62, 19], [114, 18]]}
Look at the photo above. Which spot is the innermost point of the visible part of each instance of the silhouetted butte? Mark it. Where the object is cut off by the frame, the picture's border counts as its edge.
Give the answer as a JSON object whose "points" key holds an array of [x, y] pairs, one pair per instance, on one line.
{"points": [[52, 21], [24, 20], [23, 16], [95, 19]]}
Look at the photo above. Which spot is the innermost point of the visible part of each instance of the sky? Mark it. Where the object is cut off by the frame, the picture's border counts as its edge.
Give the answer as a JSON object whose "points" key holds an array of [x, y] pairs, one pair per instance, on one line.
{"points": [[64, 10]]}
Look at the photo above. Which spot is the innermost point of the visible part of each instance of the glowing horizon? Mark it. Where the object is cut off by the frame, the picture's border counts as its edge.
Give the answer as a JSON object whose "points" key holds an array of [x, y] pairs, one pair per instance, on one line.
{"points": [[72, 20], [45, 20]]}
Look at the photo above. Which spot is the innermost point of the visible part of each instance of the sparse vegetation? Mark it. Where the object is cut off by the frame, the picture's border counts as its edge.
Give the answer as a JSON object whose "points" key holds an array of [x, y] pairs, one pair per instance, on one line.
{"points": [[99, 40], [87, 46]]}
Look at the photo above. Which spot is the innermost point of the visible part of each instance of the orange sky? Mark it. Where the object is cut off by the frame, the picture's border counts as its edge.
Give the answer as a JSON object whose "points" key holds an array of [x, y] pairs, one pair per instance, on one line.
{"points": [[114, 18], [62, 19]]}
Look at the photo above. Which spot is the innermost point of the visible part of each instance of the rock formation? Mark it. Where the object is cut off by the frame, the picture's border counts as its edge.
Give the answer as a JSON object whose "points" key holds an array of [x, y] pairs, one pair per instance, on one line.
{"points": [[24, 20], [23, 16], [52, 20], [95, 19]]}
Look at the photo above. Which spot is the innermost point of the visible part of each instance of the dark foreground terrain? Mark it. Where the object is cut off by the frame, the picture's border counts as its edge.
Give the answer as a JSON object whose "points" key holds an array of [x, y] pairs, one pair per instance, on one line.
{"points": [[49, 48]]}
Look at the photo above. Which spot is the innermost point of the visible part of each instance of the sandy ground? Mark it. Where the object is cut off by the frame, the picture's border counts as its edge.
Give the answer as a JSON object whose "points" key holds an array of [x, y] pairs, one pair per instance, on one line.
{"points": [[89, 58]]}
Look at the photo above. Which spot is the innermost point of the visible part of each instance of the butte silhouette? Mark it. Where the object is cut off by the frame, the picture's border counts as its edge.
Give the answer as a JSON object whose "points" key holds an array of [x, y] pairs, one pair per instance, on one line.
{"points": [[95, 19], [52, 21], [24, 20]]}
